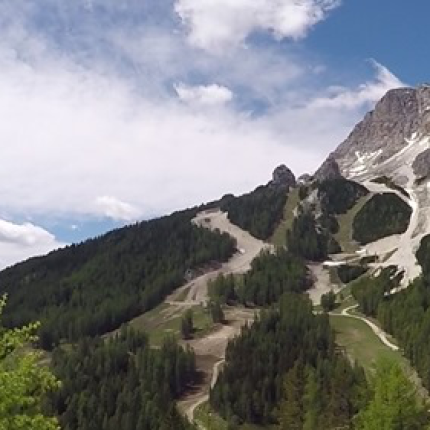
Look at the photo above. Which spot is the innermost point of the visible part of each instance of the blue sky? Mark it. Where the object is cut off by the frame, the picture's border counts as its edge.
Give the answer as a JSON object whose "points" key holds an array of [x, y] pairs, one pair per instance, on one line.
{"points": [[114, 112]]}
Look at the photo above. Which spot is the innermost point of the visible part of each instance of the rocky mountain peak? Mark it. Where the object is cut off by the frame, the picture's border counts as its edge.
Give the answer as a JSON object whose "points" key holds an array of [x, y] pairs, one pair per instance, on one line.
{"points": [[383, 131], [283, 177]]}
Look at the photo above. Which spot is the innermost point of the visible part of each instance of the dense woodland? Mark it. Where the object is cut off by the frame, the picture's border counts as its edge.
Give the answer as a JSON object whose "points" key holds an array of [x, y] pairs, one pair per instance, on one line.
{"points": [[370, 292], [121, 384], [258, 212], [271, 275], [91, 288], [350, 272], [307, 239], [340, 195], [288, 358], [383, 215]]}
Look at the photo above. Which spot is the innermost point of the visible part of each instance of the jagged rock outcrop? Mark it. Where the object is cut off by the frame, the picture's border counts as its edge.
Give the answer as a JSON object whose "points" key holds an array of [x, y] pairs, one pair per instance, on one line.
{"points": [[393, 141], [283, 177], [329, 170], [421, 164], [383, 131]]}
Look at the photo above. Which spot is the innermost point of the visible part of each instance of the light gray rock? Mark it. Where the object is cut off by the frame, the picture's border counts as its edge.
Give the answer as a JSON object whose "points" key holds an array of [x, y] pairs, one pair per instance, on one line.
{"points": [[395, 118]]}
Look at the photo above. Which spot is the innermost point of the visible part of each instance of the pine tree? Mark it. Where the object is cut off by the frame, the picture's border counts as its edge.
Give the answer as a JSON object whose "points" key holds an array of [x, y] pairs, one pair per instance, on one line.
{"points": [[216, 311], [312, 401], [395, 405], [292, 407], [187, 325]]}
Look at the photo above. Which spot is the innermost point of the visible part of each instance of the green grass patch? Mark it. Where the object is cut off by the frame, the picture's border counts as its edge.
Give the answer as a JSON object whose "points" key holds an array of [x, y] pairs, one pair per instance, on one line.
{"points": [[344, 235], [165, 320], [279, 237], [360, 343]]}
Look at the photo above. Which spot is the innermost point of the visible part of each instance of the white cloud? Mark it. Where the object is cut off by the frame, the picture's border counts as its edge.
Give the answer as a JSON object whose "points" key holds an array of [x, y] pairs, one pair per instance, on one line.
{"points": [[71, 131], [217, 25], [115, 209], [88, 134], [367, 93], [22, 241], [25, 234], [210, 95]]}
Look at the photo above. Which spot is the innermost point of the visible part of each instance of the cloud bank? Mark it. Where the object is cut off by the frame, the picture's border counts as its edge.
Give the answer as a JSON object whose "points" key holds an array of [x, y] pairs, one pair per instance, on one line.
{"points": [[122, 120]]}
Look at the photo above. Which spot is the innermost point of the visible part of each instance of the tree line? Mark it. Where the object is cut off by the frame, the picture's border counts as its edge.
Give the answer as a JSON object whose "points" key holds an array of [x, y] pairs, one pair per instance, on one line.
{"points": [[122, 384], [271, 275], [285, 369]]}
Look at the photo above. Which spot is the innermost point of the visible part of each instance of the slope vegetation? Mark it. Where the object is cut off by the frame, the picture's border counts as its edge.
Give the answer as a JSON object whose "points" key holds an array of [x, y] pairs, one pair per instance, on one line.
{"points": [[92, 288], [258, 212], [383, 215]]}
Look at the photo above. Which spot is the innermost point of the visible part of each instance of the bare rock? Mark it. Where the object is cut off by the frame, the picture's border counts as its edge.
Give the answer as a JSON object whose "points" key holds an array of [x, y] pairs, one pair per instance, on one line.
{"points": [[395, 118], [283, 177]]}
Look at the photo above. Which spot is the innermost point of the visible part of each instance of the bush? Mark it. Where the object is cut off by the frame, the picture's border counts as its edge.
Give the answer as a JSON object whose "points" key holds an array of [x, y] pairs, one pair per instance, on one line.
{"points": [[348, 273]]}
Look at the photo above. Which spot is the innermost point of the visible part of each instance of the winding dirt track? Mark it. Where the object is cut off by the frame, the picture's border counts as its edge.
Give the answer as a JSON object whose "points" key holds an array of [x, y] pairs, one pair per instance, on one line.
{"points": [[210, 350], [383, 337]]}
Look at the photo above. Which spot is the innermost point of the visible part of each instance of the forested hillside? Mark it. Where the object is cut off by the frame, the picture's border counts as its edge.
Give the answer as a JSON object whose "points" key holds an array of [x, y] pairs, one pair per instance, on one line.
{"points": [[92, 288], [271, 276], [406, 316], [339, 195], [288, 359], [257, 212], [121, 384], [312, 232]]}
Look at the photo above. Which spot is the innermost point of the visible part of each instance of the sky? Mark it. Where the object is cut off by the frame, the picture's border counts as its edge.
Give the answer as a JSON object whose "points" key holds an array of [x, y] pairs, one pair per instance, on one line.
{"points": [[118, 111]]}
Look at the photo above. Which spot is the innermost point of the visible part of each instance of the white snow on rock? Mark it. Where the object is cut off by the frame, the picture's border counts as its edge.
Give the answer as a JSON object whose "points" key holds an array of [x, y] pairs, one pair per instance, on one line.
{"points": [[401, 249]]}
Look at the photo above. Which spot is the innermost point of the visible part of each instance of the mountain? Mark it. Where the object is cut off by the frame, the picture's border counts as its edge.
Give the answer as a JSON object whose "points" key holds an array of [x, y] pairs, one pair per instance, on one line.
{"points": [[389, 151], [212, 310]]}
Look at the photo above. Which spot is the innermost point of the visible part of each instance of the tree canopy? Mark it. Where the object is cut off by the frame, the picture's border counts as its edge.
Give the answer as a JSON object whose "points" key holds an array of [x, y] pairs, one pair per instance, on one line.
{"points": [[24, 383]]}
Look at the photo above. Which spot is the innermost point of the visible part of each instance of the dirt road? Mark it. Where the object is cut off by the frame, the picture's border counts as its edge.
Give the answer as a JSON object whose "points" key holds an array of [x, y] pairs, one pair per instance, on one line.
{"points": [[378, 331], [210, 350], [248, 248], [210, 356]]}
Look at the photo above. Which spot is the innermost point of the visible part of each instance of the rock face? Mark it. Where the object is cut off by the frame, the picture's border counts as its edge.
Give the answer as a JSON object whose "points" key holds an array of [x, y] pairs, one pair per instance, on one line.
{"points": [[393, 141], [283, 177], [329, 170], [421, 165], [383, 131]]}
